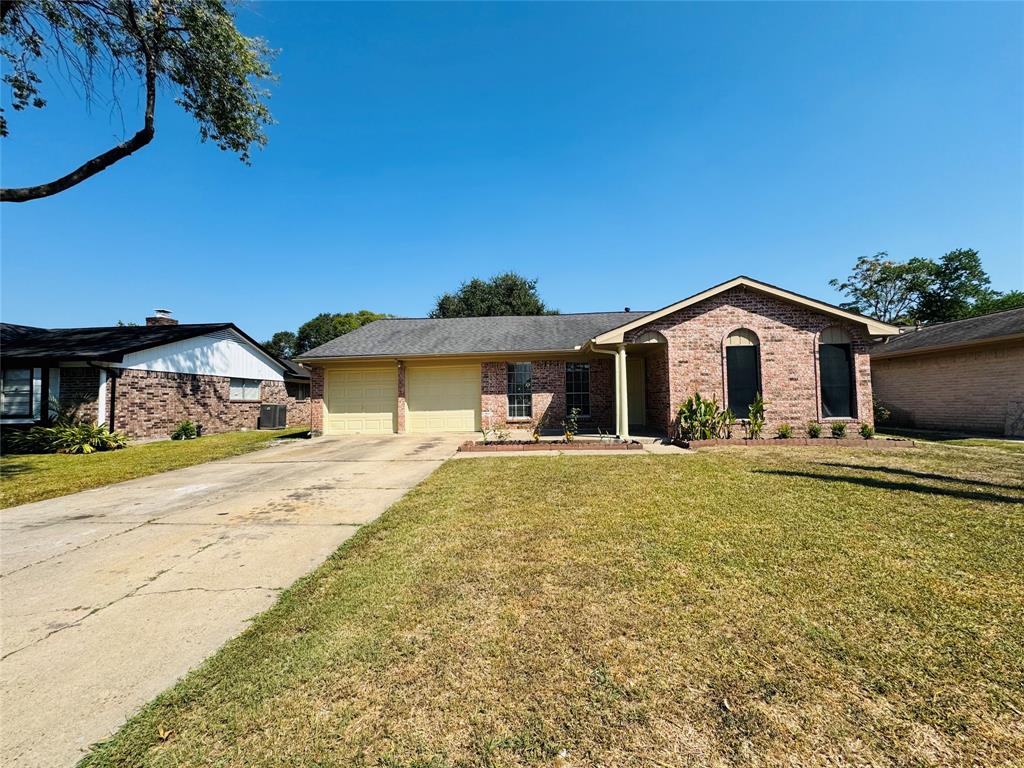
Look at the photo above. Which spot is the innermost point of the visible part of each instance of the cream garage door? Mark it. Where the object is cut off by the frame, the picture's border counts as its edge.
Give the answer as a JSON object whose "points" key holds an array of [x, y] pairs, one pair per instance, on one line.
{"points": [[361, 400], [443, 398]]}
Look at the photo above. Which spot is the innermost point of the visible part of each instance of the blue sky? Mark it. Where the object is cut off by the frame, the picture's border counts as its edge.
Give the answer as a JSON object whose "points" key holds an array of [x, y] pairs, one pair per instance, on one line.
{"points": [[624, 154]]}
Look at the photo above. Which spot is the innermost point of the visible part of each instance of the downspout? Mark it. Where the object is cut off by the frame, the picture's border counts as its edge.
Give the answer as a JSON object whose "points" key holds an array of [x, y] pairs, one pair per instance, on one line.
{"points": [[618, 405]]}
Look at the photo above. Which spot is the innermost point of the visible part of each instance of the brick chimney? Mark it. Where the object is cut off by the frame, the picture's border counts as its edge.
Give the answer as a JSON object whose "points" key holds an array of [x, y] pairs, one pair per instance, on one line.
{"points": [[161, 317]]}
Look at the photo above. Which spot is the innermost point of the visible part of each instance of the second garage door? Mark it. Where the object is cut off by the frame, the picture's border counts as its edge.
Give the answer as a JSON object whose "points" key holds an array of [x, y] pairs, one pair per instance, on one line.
{"points": [[443, 398], [361, 400]]}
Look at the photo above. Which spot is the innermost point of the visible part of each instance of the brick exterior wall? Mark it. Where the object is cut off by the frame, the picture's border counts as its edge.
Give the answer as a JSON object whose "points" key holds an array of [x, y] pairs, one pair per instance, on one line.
{"points": [[548, 394], [974, 390], [401, 411], [150, 403], [788, 335], [80, 388], [316, 399]]}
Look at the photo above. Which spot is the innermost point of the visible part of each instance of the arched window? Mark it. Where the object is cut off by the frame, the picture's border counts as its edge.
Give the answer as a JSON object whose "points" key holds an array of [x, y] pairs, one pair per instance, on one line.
{"points": [[742, 371], [835, 360]]}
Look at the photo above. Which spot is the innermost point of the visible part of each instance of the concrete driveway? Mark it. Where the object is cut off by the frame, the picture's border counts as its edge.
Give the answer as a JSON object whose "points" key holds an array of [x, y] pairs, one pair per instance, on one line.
{"points": [[109, 596]]}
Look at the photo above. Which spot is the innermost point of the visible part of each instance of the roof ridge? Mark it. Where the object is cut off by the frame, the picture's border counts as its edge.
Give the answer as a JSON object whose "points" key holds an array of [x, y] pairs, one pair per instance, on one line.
{"points": [[961, 320], [493, 317]]}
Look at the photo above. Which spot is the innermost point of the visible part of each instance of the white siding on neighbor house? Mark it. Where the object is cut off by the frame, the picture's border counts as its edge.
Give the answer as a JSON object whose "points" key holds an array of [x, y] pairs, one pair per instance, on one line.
{"points": [[222, 354]]}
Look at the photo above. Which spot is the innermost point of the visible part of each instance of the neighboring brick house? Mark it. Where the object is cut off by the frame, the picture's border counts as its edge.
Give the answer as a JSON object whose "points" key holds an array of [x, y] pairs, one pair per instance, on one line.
{"points": [[965, 376], [622, 371], [142, 380]]}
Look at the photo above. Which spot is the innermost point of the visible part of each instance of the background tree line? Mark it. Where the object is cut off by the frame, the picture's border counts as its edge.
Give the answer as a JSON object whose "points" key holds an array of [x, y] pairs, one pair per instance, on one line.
{"points": [[924, 291]]}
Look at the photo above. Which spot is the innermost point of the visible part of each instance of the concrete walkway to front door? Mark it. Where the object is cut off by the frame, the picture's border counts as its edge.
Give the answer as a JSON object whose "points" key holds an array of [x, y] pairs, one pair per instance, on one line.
{"points": [[109, 596]]}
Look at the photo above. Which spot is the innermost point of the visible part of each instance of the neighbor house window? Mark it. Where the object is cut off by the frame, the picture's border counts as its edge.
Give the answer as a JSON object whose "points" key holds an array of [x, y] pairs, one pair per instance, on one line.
{"points": [[520, 390], [577, 388], [297, 391], [742, 371], [16, 397], [835, 360], [245, 389]]}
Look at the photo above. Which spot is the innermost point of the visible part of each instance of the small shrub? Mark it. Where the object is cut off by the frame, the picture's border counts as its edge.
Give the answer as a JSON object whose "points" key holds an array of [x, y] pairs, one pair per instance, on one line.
{"points": [[755, 420], [882, 414], [867, 431], [185, 430], [813, 429], [68, 438], [700, 418], [570, 425], [785, 431], [838, 430]]}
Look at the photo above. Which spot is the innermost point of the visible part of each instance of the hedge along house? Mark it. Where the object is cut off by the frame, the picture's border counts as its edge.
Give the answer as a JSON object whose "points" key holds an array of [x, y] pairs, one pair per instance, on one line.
{"points": [[622, 371], [142, 380]]}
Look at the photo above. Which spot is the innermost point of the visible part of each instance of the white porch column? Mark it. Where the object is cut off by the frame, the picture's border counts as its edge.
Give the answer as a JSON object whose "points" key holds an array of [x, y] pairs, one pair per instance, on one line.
{"points": [[621, 393], [101, 402]]}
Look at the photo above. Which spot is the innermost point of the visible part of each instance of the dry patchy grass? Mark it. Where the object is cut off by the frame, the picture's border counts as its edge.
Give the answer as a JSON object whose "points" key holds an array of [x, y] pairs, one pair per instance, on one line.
{"points": [[775, 607], [26, 478]]}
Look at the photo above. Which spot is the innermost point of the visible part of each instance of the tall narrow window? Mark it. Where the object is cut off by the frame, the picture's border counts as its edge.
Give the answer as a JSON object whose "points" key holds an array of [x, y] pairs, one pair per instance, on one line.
{"points": [[16, 397], [577, 388], [520, 390], [835, 360], [742, 371]]}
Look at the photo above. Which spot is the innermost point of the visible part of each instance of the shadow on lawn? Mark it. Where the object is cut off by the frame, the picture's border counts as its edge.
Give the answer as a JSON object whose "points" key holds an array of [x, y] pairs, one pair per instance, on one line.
{"points": [[892, 485], [925, 475], [12, 467]]}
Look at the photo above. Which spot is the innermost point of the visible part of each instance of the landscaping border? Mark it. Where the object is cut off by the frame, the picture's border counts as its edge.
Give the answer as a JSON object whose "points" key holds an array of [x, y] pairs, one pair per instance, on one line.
{"points": [[476, 446], [775, 442]]}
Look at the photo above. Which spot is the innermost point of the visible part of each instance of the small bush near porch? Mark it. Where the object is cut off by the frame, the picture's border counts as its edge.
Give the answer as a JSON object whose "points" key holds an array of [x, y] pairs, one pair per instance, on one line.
{"points": [[798, 607]]}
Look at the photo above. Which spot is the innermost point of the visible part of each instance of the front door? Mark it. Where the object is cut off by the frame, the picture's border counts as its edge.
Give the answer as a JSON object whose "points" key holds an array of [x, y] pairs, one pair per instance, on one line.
{"points": [[635, 391]]}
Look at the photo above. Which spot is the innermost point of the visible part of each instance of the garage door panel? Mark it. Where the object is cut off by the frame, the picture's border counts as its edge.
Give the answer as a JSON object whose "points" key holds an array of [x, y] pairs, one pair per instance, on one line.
{"points": [[443, 399], [361, 400]]}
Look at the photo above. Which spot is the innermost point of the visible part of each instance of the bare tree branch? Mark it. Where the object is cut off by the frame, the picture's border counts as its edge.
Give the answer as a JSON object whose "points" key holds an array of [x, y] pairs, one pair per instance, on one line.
{"points": [[111, 156]]}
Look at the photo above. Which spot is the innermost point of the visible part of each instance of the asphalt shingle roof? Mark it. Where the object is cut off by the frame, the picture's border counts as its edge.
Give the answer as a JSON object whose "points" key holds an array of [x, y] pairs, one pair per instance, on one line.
{"points": [[973, 329], [106, 343], [396, 337]]}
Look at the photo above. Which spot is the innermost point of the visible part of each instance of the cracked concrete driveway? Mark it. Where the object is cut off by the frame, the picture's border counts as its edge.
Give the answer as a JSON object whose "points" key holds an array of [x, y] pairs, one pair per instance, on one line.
{"points": [[109, 596]]}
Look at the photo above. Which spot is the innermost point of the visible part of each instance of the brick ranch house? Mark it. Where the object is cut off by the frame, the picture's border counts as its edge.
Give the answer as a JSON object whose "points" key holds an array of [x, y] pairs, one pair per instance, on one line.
{"points": [[967, 375], [142, 380], [623, 371]]}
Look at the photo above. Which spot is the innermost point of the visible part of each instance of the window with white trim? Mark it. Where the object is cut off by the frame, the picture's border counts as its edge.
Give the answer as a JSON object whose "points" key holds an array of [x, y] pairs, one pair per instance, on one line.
{"points": [[520, 390], [245, 389], [16, 393], [577, 388]]}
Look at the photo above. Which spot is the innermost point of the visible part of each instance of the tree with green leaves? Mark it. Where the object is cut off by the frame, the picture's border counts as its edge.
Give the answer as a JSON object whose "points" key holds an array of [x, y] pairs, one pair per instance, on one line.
{"points": [[957, 284], [282, 344], [502, 295], [922, 290], [882, 288], [327, 326], [190, 48]]}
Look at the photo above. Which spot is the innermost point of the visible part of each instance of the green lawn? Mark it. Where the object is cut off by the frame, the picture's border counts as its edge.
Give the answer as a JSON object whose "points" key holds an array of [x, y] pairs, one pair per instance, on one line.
{"points": [[25, 478], [800, 607]]}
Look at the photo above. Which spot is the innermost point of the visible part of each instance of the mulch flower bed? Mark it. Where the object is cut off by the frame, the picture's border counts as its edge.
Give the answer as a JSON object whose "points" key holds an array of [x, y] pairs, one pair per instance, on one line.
{"points": [[471, 446], [775, 442]]}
